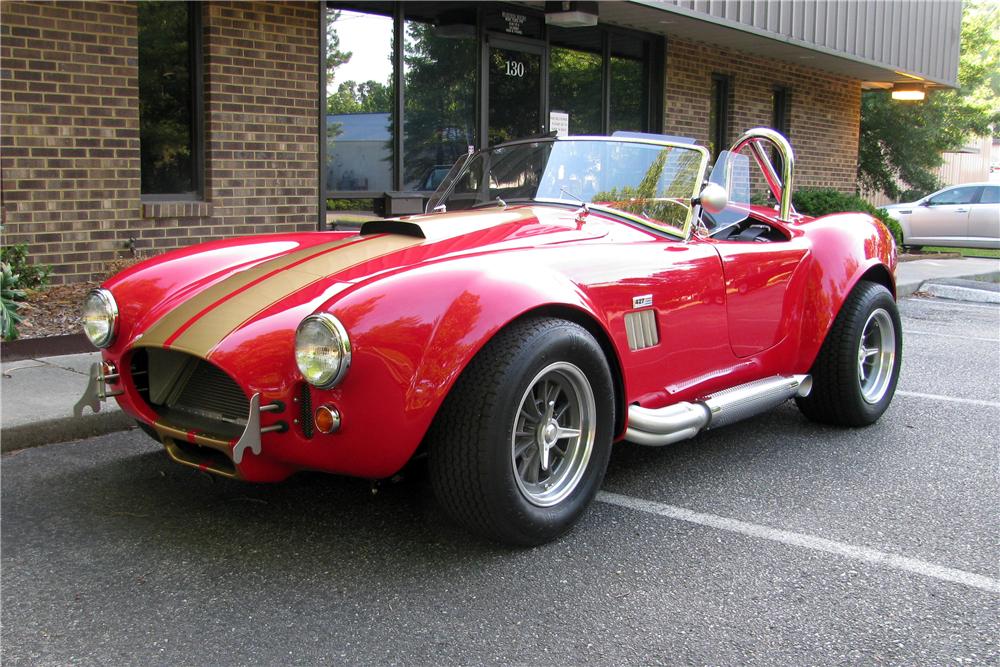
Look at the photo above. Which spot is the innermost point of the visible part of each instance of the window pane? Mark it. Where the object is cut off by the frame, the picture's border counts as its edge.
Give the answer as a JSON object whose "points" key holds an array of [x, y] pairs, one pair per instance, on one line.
{"points": [[628, 95], [575, 88], [991, 195], [359, 102], [515, 95], [439, 122], [166, 127], [718, 112], [956, 196]]}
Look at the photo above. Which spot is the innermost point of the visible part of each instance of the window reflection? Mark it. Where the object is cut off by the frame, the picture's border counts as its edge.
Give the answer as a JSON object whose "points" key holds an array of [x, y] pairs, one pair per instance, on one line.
{"points": [[575, 88], [359, 102], [166, 98], [628, 95], [439, 122]]}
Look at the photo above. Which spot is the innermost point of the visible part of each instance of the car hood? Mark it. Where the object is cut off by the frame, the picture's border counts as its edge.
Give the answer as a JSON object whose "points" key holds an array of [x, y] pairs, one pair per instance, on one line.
{"points": [[195, 299]]}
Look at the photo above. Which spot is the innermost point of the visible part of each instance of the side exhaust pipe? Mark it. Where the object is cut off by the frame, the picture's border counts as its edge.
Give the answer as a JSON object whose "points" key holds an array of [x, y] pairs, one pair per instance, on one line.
{"points": [[680, 421]]}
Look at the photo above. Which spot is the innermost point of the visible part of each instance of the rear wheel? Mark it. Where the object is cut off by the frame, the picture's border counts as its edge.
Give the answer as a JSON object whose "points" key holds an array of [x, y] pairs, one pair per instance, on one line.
{"points": [[855, 373], [521, 445]]}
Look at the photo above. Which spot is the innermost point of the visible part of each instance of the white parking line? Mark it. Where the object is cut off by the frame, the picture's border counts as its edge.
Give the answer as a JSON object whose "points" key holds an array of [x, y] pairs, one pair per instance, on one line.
{"points": [[907, 332], [949, 399], [805, 541]]}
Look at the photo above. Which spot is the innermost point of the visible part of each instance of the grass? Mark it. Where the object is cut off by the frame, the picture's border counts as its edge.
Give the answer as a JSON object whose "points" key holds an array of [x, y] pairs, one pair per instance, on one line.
{"points": [[965, 252]]}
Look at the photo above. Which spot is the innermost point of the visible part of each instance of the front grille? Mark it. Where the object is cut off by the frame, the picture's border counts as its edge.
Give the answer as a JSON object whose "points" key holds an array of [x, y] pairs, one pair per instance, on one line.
{"points": [[191, 393]]}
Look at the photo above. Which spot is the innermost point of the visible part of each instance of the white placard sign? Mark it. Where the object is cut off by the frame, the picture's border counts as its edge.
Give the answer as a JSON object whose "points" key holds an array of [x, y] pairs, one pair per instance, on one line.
{"points": [[559, 123]]}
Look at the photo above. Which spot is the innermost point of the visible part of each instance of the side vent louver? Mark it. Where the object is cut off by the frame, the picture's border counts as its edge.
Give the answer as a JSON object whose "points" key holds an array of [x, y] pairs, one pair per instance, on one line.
{"points": [[640, 327]]}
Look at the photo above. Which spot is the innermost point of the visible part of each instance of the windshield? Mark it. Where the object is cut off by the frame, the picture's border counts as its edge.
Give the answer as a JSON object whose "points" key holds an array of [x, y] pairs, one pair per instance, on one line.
{"points": [[650, 183], [731, 171]]}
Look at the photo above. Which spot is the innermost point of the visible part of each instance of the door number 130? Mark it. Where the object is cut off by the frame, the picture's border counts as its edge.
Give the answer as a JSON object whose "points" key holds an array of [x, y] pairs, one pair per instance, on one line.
{"points": [[514, 68]]}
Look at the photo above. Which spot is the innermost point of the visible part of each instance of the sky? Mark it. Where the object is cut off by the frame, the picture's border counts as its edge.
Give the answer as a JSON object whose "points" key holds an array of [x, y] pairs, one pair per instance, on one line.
{"points": [[369, 39]]}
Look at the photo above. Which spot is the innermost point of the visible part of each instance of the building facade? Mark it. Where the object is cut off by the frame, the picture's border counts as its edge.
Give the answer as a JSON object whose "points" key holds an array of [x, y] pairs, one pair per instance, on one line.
{"points": [[134, 128]]}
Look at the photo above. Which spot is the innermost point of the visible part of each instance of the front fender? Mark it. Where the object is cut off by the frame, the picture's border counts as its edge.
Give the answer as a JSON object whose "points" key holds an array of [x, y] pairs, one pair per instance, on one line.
{"points": [[413, 333]]}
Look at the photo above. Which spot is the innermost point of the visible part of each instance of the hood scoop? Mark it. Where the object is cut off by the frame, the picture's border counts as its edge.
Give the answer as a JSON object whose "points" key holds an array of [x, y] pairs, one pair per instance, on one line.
{"points": [[440, 226], [392, 226]]}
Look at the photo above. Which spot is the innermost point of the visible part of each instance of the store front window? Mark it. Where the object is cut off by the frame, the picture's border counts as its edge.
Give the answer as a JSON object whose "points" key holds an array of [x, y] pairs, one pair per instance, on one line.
{"points": [[359, 102], [515, 93], [468, 74], [439, 93], [574, 86]]}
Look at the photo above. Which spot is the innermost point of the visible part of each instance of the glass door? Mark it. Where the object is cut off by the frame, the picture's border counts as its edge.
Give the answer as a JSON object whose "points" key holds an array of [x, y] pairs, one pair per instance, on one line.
{"points": [[514, 91]]}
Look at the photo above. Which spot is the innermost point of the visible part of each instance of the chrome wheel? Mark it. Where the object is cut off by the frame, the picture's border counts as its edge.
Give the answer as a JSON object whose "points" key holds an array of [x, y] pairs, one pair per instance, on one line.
{"points": [[553, 436], [876, 355]]}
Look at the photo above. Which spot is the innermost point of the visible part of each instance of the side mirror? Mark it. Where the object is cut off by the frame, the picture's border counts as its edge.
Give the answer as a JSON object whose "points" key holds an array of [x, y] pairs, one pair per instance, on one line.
{"points": [[713, 198]]}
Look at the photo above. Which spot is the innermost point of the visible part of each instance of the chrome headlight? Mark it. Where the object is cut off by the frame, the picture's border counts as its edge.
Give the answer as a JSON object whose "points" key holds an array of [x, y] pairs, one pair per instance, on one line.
{"points": [[100, 317], [322, 350]]}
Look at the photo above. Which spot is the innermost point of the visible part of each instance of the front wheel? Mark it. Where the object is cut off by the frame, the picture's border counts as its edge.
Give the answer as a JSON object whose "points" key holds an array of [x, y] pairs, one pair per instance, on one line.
{"points": [[855, 373], [521, 445]]}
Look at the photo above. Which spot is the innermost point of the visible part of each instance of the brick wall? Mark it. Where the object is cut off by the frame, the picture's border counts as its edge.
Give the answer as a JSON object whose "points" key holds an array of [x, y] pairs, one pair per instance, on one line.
{"points": [[69, 114], [70, 130], [825, 108]]}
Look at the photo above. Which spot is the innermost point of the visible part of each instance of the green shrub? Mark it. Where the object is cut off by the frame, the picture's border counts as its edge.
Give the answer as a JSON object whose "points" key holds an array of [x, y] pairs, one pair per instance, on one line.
{"points": [[26, 274], [349, 204], [822, 201], [16, 275], [9, 296]]}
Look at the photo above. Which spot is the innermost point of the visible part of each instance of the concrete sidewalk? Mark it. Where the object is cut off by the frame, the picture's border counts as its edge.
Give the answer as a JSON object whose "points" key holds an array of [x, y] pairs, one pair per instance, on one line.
{"points": [[37, 398], [37, 395]]}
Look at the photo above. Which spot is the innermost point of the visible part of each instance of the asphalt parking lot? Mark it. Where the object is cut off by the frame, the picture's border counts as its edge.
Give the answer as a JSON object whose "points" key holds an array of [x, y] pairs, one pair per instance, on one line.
{"points": [[772, 541]]}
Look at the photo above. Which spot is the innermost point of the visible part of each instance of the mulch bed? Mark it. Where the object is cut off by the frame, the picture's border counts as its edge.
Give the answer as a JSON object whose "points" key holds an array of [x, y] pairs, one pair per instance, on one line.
{"points": [[53, 310]]}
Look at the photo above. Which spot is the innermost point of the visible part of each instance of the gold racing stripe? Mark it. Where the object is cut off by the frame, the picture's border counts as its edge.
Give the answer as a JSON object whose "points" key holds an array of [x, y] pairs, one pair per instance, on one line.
{"points": [[209, 329], [167, 325]]}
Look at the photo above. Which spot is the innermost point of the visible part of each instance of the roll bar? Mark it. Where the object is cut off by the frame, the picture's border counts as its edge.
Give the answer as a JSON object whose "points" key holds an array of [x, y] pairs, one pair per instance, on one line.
{"points": [[781, 187]]}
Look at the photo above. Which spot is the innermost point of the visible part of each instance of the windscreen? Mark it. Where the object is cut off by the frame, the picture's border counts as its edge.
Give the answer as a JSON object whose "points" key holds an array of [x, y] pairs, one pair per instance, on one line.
{"points": [[731, 171], [650, 183]]}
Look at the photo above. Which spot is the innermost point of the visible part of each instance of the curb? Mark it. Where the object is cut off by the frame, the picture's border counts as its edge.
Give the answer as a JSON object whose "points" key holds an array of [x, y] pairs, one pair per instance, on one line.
{"points": [[959, 293], [63, 429], [904, 290]]}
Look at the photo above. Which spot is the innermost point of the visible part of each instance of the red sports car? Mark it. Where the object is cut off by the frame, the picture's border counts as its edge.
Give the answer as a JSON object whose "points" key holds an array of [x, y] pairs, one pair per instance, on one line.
{"points": [[559, 295]]}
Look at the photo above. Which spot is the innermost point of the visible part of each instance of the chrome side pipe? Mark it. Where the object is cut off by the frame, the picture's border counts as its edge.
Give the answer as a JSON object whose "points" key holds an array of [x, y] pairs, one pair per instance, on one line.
{"points": [[681, 421]]}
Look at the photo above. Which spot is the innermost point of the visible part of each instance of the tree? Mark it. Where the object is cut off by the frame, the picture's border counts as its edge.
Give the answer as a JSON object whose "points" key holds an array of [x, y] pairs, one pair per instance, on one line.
{"points": [[903, 142], [365, 97], [334, 56], [440, 86]]}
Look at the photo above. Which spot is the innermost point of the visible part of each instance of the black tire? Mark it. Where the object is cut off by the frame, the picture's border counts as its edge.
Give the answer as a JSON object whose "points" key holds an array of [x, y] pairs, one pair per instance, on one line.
{"points": [[842, 394], [474, 465], [913, 248]]}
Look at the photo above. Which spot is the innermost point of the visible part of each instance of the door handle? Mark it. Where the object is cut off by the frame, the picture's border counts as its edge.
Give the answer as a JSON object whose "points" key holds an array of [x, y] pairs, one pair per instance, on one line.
{"points": [[961, 210]]}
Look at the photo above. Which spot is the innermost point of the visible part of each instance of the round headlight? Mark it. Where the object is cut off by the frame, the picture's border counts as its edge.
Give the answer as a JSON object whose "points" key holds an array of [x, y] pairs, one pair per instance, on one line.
{"points": [[322, 350], [100, 317]]}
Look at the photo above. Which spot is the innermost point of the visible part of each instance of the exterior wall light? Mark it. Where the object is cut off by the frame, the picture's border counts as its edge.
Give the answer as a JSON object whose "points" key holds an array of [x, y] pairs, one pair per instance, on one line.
{"points": [[908, 91], [571, 14]]}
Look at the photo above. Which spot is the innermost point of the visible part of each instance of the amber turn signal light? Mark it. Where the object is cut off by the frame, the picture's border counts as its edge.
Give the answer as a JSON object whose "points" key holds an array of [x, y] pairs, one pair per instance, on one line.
{"points": [[327, 419]]}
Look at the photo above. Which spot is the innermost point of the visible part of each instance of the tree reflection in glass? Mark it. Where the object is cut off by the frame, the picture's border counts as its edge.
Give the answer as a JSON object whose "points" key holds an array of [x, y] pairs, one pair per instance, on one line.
{"points": [[439, 121]]}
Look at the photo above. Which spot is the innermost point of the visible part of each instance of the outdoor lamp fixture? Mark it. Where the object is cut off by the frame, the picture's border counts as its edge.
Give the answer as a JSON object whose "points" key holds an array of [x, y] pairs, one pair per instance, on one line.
{"points": [[908, 91], [571, 14]]}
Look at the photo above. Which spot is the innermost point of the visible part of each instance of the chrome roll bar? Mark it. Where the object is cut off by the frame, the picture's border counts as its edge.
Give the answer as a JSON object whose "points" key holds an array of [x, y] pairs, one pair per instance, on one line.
{"points": [[780, 186]]}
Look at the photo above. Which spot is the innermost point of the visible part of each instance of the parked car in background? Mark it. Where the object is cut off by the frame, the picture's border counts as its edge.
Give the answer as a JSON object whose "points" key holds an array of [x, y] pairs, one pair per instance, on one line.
{"points": [[560, 294], [960, 216]]}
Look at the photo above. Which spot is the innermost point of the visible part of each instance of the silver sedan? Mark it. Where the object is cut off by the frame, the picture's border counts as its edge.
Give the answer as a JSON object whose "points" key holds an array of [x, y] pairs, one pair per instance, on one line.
{"points": [[961, 216]]}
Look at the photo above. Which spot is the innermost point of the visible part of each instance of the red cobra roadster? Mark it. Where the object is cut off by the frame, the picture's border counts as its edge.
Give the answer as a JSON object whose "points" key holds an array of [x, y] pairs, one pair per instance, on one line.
{"points": [[559, 295]]}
